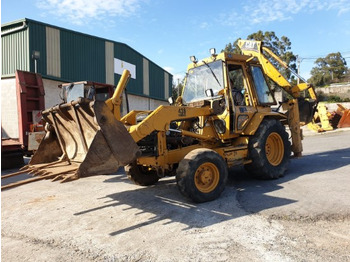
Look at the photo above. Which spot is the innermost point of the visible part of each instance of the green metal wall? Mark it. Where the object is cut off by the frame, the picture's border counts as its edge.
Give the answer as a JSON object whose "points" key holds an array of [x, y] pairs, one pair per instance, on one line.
{"points": [[156, 81], [80, 57], [37, 42], [14, 49], [83, 57]]}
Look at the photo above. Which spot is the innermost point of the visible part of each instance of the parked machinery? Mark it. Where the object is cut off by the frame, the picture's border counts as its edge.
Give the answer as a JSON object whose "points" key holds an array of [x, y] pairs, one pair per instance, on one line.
{"points": [[223, 118]]}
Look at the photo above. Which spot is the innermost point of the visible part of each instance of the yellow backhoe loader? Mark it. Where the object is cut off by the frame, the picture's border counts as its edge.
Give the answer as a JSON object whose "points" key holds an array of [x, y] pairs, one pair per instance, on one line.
{"points": [[223, 118]]}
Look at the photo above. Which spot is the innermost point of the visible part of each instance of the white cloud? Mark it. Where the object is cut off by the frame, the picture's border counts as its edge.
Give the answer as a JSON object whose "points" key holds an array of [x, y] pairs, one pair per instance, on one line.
{"points": [[204, 25], [168, 68], [176, 76], [265, 11], [79, 11], [343, 6]]}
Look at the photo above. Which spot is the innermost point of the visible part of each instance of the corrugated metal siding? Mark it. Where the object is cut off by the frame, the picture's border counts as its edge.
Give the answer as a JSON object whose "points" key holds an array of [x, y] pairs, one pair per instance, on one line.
{"points": [[37, 42], [166, 85], [125, 53], [72, 56], [145, 77], [82, 57], [14, 52], [170, 86], [109, 63], [53, 51], [156, 81]]}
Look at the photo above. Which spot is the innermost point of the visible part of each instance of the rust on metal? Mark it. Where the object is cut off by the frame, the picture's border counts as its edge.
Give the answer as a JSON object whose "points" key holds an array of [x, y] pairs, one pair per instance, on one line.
{"points": [[345, 116], [83, 139]]}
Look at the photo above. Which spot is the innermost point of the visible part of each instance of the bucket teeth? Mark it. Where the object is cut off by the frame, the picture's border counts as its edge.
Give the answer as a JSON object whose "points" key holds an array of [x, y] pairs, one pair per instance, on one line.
{"points": [[57, 171], [65, 177], [70, 177], [58, 177], [39, 172]]}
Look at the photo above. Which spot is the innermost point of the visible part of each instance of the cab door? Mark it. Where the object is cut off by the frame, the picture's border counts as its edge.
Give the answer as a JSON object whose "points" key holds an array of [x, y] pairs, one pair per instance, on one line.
{"points": [[241, 102]]}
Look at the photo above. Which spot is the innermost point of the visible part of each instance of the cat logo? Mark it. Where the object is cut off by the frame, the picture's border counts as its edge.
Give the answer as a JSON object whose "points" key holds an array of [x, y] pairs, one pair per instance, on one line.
{"points": [[182, 111]]}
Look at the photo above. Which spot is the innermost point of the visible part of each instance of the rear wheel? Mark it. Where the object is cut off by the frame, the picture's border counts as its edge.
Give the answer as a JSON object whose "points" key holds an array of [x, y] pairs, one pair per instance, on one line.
{"points": [[202, 175], [269, 150], [141, 175]]}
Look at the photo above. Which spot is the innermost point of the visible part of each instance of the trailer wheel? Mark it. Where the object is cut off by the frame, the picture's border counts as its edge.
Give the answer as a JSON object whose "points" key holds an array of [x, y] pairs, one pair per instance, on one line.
{"points": [[269, 150], [140, 175], [202, 175]]}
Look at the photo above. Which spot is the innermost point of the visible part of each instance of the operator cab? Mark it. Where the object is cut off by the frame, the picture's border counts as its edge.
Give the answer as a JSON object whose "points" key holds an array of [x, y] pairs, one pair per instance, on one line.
{"points": [[86, 89], [208, 76]]}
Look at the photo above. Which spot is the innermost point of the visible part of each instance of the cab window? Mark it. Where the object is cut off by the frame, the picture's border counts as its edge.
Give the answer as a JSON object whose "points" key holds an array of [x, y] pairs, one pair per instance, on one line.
{"points": [[236, 83], [262, 89]]}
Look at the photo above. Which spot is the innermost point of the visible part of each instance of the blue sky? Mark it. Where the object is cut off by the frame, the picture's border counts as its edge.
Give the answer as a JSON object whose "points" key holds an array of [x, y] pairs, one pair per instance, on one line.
{"points": [[168, 32]]}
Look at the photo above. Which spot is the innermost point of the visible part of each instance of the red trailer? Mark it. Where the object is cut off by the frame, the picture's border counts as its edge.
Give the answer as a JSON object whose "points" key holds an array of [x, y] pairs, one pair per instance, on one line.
{"points": [[22, 118]]}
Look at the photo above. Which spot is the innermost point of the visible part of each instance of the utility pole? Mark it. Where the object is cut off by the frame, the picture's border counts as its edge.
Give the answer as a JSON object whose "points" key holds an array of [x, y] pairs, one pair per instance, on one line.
{"points": [[299, 59], [178, 87], [298, 67]]}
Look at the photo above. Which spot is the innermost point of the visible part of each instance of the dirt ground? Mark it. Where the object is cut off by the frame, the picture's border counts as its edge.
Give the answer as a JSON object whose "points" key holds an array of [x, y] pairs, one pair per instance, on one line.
{"points": [[304, 216]]}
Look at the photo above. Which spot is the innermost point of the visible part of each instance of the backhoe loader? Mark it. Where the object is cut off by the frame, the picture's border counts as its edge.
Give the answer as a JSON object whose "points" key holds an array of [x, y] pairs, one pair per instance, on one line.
{"points": [[223, 118]]}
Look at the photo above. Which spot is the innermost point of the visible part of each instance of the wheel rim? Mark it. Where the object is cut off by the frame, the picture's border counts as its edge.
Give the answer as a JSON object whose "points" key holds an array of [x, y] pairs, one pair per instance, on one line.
{"points": [[207, 177], [274, 149]]}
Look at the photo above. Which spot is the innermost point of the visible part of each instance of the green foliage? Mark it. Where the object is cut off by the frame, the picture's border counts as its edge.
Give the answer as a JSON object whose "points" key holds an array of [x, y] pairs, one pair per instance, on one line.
{"points": [[232, 47], [334, 99], [331, 98], [330, 69], [177, 90]]}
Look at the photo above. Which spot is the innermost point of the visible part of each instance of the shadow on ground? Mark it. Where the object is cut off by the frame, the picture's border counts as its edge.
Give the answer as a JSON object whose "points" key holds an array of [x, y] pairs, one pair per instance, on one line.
{"points": [[168, 205], [252, 194]]}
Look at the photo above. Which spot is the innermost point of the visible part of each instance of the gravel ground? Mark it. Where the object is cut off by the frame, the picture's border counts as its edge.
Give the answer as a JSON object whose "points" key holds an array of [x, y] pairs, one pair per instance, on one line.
{"points": [[304, 216]]}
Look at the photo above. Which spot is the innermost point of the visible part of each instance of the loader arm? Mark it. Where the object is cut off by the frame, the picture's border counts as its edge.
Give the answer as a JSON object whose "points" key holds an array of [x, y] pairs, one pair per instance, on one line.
{"points": [[115, 101], [159, 120]]}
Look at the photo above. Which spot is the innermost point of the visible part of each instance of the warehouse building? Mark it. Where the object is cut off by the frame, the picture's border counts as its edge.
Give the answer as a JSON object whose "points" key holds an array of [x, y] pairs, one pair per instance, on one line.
{"points": [[61, 55]]}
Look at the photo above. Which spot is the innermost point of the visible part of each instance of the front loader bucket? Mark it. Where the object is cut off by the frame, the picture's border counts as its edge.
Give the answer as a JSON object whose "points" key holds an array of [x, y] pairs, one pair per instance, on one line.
{"points": [[83, 139]]}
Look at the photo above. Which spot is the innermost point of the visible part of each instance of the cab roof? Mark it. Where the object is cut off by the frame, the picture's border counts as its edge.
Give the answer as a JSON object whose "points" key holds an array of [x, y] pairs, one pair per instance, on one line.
{"points": [[224, 56]]}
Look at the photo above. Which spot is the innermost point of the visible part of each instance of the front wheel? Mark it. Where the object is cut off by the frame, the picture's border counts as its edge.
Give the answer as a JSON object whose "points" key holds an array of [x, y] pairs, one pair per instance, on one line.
{"points": [[269, 150], [202, 175], [140, 175]]}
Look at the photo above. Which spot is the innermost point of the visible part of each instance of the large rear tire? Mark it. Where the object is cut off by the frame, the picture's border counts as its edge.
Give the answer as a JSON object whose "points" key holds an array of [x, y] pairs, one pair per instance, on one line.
{"points": [[202, 175], [269, 150], [140, 175]]}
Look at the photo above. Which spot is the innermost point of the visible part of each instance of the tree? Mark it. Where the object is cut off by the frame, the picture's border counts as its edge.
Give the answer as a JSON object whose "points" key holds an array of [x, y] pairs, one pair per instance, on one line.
{"points": [[232, 47], [328, 70], [280, 46], [177, 89]]}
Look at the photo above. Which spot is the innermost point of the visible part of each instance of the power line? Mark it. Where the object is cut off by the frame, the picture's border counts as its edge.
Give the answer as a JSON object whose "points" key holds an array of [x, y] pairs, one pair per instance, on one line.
{"points": [[315, 58]]}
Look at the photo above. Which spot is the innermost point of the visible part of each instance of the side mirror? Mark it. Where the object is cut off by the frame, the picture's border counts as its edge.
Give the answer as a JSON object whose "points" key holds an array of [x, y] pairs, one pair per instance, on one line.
{"points": [[209, 92], [171, 100]]}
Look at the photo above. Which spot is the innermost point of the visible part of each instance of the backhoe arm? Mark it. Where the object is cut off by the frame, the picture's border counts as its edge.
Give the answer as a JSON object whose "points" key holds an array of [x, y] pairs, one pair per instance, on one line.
{"points": [[255, 49]]}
